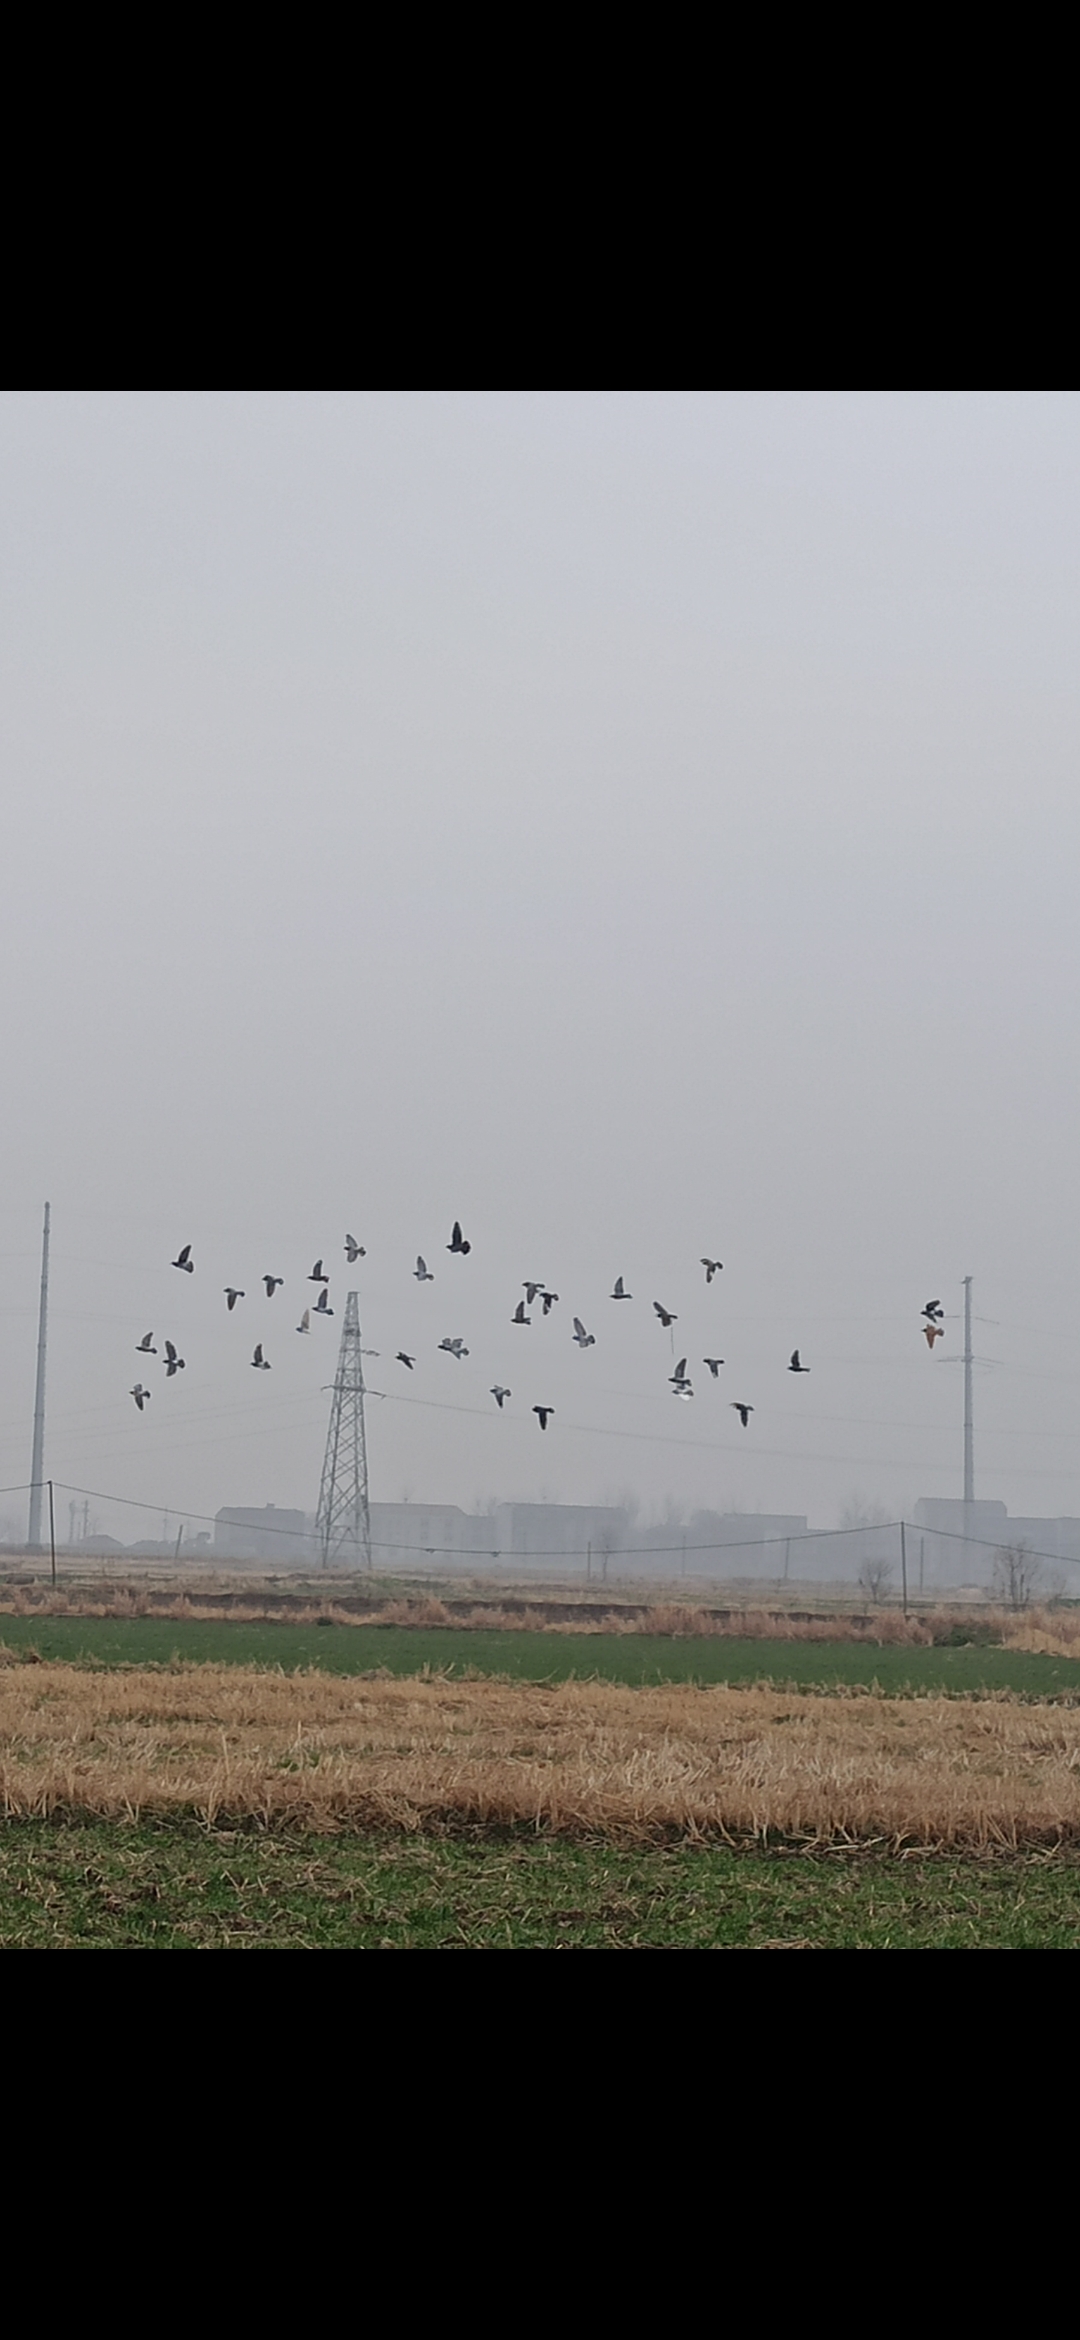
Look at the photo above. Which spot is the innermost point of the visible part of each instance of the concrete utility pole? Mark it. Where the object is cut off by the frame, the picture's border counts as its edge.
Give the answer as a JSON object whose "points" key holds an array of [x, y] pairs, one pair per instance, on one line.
{"points": [[37, 1467]]}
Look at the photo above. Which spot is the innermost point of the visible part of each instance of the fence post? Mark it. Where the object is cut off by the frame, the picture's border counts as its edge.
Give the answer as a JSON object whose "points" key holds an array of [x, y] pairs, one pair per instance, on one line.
{"points": [[903, 1564], [52, 1534]]}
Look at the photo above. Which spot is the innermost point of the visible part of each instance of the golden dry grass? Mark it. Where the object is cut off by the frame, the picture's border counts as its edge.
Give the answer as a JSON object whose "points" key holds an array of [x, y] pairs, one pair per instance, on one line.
{"points": [[1052, 1631], [322, 1752]]}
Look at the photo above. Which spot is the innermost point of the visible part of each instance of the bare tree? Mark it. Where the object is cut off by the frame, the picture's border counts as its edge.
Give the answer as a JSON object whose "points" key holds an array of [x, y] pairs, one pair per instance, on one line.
{"points": [[607, 1542], [876, 1569], [875, 1579], [1017, 1575]]}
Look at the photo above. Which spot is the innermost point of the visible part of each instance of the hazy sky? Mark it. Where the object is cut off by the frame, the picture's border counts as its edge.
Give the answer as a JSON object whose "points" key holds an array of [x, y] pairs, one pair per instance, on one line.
{"points": [[639, 825]]}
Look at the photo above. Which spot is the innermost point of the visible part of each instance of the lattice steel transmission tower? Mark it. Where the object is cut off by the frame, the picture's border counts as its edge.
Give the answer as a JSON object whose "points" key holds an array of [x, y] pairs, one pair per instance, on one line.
{"points": [[343, 1525]]}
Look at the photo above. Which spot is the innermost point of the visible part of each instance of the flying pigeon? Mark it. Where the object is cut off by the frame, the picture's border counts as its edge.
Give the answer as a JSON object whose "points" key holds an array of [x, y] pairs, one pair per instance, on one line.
{"points": [[584, 1340], [322, 1304], [933, 1310], [185, 1261], [404, 1360], [519, 1316], [271, 1283], [543, 1412], [422, 1272], [549, 1299], [261, 1363], [665, 1315], [498, 1393], [712, 1267], [530, 1291], [455, 1348], [714, 1364], [305, 1322], [232, 1296], [145, 1347], [743, 1412], [317, 1276], [457, 1241], [795, 1366], [354, 1250], [142, 1396], [932, 1333], [620, 1293], [173, 1363], [679, 1382]]}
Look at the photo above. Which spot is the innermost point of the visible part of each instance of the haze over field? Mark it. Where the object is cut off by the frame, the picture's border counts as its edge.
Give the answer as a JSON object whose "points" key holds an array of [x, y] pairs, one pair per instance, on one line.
{"points": [[640, 826]]}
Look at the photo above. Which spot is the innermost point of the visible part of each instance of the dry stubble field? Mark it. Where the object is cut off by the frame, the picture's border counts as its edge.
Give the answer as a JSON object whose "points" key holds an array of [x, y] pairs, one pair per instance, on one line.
{"points": [[235, 1745], [281, 1803]]}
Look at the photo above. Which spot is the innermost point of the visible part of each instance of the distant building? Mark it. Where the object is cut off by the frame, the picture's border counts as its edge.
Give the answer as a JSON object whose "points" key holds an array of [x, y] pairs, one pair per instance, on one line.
{"points": [[284, 1537], [559, 1532], [416, 1535], [954, 1517], [761, 1545], [958, 1543]]}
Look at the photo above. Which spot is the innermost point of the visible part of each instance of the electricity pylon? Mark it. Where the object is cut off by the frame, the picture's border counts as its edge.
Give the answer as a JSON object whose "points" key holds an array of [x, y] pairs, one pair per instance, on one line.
{"points": [[343, 1524]]}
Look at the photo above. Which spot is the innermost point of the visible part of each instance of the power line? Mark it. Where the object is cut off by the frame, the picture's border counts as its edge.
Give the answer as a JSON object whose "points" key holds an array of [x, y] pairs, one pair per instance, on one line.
{"points": [[704, 1445], [923, 1428], [728, 1448], [799, 1454], [484, 1551], [577, 1551]]}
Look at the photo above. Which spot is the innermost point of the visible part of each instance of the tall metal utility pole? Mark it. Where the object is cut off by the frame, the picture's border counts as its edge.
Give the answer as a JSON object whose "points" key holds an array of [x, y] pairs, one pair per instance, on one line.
{"points": [[37, 1467], [343, 1524], [969, 1429]]}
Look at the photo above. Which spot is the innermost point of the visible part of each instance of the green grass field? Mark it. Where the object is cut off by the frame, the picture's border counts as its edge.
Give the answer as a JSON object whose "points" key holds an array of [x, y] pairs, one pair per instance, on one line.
{"points": [[176, 1885], [631, 1658], [86, 1887]]}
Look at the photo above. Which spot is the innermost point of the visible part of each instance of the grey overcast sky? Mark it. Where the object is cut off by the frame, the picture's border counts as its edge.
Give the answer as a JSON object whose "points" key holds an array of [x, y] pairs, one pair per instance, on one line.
{"points": [[640, 825]]}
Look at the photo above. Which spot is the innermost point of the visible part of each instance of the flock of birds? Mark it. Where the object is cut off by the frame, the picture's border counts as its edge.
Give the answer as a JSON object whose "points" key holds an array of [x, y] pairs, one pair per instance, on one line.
{"points": [[534, 1290], [174, 1363]]}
